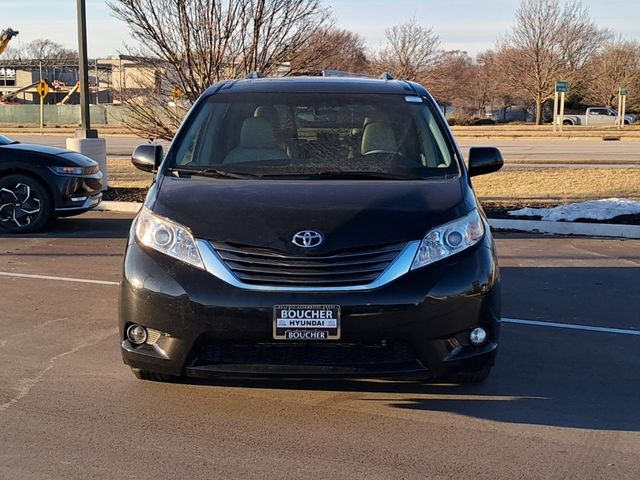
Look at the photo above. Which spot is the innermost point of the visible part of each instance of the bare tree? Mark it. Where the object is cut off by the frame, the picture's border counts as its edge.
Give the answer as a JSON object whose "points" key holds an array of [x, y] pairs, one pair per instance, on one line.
{"points": [[491, 81], [503, 95], [617, 65], [201, 42], [332, 49], [11, 53], [412, 49], [48, 52], [41, 50], [549, 41], [449, 80]]}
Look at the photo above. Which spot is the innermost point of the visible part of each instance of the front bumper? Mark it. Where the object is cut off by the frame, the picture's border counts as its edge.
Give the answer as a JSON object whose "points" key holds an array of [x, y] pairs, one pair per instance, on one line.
{"points": [[75, 194], [79, 204], [417, 323]]}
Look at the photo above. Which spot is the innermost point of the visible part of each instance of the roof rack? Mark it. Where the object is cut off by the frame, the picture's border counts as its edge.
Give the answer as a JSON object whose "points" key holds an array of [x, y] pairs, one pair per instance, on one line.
{"points": [[306, 73], [324, 73], [342, 73]]}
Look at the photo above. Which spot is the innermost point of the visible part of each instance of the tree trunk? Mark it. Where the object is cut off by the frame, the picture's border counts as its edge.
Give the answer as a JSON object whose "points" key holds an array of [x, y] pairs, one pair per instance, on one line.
{"points": [[538, 112]]}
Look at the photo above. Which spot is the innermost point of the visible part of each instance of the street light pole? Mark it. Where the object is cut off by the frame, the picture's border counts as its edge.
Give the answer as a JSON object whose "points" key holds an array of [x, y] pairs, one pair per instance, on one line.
{"points": [[86, 139], [85, 130]]}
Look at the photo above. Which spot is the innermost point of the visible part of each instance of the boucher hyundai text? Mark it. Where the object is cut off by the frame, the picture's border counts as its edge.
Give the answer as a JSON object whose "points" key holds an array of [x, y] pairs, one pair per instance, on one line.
{"points": [[312, 226]]}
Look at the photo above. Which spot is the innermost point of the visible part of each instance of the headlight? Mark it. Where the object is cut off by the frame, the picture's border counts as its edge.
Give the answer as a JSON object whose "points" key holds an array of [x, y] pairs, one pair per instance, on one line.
{"points": [[167, 237], [445, 240], [75, 170]]}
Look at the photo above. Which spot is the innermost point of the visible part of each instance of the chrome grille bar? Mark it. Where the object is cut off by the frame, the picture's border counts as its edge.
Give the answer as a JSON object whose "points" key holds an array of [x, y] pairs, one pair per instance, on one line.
{"points": [[396, 267], [349, 267]]}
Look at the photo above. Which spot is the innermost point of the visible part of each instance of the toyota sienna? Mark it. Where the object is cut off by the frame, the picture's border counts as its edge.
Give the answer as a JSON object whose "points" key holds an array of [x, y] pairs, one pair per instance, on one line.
{"points": [[311, 226]]}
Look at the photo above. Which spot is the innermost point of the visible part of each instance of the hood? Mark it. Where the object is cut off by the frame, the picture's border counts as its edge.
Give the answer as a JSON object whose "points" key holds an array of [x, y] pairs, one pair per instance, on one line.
{"points": [[71, 157], [266, 213], [32, 147]]}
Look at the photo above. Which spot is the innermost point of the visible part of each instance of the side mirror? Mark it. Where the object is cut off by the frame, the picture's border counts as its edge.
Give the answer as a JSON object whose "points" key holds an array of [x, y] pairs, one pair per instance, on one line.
{"points": [[484, 160], [147, 157]]}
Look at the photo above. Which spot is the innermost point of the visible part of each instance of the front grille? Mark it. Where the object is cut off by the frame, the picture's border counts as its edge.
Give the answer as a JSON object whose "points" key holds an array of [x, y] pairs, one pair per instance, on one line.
{"points": [[350, 267], [305, 354]]}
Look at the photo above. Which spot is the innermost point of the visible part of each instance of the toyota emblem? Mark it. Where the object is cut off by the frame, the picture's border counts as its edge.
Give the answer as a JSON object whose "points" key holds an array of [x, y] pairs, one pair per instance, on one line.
{"points": [[307, 239]]}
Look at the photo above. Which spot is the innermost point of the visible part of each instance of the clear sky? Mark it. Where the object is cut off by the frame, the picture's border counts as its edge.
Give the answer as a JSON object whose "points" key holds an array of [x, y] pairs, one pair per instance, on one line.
{"points": [[471, 25]]}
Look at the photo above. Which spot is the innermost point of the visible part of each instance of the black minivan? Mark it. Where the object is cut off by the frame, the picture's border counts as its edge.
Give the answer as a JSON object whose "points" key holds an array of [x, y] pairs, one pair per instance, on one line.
{"points": [[311, 226]]}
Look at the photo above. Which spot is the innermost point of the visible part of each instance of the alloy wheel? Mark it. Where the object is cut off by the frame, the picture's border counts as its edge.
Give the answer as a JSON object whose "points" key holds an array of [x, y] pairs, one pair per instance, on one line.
{"points": [[19, 205]]}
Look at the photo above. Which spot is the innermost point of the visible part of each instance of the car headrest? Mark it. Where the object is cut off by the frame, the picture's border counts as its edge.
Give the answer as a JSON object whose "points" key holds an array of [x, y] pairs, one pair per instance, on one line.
{"points": [[268, 113], [257, 132], [375, 117], [378, 136]]}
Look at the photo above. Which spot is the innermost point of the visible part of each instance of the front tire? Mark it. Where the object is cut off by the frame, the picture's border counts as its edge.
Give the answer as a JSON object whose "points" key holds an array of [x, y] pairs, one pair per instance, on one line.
{"points": [[25, 204]]}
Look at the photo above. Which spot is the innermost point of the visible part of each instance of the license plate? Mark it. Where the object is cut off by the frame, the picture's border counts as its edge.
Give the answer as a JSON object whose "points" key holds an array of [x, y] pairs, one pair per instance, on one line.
{"points": [[306, 322]]}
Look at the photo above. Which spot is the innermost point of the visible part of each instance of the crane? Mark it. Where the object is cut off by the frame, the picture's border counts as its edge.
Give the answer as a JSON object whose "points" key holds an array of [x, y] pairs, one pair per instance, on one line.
{"points": [[5, 37]]}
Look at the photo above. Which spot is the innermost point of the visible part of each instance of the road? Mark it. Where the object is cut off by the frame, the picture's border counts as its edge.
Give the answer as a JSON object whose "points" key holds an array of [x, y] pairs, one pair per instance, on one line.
{"points": [[116, 145], [514, 150], [560, 404], [546, 150]]}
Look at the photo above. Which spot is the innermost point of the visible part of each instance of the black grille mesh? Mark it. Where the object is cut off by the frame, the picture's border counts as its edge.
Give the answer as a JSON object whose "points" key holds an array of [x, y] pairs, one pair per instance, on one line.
{"points": [[310, 354], [259, 266]]}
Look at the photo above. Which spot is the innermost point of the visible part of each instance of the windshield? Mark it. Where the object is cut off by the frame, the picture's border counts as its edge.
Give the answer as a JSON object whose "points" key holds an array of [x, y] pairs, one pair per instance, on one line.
{"points": [[315, 135], [5, 140]]}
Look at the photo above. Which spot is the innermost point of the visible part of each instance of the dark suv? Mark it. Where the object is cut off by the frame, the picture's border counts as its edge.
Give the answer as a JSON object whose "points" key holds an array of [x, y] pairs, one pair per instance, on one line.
{"points": [[311, 226]]}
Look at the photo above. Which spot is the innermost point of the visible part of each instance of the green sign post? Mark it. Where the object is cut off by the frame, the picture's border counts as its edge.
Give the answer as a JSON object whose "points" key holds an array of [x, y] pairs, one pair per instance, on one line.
{"points": [[623, 93], [562, 87]]}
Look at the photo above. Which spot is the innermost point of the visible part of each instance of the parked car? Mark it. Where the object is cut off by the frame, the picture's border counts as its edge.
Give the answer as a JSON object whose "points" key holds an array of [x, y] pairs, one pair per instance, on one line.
{"points": [[311, 226], [38, 183], [597, 116]]}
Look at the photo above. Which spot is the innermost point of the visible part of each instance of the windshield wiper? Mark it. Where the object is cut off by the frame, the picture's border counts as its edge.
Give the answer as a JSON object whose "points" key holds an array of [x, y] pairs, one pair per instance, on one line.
{"points": [[361, 175], [212, 172]]}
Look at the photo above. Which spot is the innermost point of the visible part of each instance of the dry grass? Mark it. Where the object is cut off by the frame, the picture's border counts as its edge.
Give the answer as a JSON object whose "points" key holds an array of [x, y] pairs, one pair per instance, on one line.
{"points": [[578, 132], [122, 174], [558, 184], [509, 185]]}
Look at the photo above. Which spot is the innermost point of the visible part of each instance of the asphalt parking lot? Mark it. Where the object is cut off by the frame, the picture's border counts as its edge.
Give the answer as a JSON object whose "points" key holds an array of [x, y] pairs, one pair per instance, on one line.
{"points": [[561, 403]]}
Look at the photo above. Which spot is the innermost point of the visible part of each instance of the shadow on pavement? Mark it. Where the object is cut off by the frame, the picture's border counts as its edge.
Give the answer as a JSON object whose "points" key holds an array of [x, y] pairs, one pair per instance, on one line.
{"points": [[562, 379], [542, 377], [89, 225], [564, 404]]}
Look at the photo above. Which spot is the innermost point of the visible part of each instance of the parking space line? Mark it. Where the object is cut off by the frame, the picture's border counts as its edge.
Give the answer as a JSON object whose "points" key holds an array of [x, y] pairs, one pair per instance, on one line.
{"points": [[58, 279], [571, 326]]}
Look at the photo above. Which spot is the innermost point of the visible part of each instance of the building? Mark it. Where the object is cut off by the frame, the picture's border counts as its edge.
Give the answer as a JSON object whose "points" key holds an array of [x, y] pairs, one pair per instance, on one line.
{"points": [[109, 79]]}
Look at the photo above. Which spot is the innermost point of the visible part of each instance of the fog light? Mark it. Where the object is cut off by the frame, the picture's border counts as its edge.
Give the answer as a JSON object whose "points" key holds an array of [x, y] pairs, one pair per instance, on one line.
{"points": [[137, 334], [478, 336]]}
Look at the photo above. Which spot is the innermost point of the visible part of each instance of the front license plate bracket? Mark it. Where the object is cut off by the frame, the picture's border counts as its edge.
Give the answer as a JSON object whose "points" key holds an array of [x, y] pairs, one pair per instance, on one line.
{"points": [[306, 322]]}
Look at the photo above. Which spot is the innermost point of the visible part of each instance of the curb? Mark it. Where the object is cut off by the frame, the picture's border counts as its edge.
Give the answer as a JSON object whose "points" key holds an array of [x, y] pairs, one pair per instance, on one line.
{"points": [[121, 207], [568, 228], [531, 226]]}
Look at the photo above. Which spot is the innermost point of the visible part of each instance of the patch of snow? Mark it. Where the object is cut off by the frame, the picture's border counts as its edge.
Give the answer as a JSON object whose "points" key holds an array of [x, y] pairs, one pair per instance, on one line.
{"points": [[594, 209]]}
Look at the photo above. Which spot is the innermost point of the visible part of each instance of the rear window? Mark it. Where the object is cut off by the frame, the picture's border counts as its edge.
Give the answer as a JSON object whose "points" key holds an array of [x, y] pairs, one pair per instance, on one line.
{"points": [[307, 134]]}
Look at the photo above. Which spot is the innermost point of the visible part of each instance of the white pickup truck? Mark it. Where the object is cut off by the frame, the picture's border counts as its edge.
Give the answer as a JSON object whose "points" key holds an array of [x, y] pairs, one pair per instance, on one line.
{"points": [[597, 116]]}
